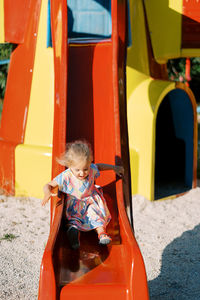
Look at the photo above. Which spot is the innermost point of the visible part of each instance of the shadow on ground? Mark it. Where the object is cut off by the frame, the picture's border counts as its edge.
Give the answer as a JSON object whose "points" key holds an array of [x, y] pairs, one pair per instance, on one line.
{"points": [[179, 277]]}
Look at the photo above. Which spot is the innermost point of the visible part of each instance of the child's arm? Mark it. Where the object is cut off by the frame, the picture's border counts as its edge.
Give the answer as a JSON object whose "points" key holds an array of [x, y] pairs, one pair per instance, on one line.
{"points": [[119, 170], [47, 191]]}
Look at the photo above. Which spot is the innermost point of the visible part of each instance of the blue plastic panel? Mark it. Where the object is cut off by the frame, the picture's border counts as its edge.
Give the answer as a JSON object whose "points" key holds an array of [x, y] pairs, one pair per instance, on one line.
{"points": [[4, 61], [49, 36], [89, 19]]}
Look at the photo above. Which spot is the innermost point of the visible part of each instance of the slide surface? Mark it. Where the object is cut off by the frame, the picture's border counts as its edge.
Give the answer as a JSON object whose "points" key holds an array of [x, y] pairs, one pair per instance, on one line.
{"points": [[93, 108]]}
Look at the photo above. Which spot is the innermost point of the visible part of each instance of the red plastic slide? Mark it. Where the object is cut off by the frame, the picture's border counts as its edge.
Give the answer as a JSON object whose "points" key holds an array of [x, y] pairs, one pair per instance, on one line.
{"points": [[90, 104]]}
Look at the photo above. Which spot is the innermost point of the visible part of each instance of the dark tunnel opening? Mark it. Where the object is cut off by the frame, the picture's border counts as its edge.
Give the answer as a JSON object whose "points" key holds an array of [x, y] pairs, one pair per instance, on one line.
{"points": [[174, 145]]}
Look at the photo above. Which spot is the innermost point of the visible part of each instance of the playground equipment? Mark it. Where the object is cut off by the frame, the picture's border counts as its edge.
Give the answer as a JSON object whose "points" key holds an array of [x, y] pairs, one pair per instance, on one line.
{"points": [[162, 119], [28, 122], [27, 119], [63, 93], [82, 77]]}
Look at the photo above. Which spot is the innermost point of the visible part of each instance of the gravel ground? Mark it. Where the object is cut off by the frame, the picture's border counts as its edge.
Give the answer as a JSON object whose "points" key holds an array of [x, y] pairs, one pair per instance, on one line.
{"points": [[24, 228], [168, 233]]}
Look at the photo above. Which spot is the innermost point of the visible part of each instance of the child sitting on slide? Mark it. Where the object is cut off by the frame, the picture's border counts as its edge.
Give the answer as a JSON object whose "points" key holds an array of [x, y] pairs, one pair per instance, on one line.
{"points": [[86, 208]]}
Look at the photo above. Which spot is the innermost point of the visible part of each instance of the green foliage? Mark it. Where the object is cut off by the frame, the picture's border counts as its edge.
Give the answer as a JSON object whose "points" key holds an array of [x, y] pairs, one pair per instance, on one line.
{"points": [[8, 237], [176, 69], [195, 67], [5, 52], [1, 107], [3, 78]]}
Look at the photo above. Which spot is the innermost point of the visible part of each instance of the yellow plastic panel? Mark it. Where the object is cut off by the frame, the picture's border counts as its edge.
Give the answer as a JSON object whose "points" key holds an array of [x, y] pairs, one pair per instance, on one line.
{"points": [[32, 170], [33, 159], [142, 109], [39, 128], [137, 54], [165, 21], [190, 52], [2, 33]]}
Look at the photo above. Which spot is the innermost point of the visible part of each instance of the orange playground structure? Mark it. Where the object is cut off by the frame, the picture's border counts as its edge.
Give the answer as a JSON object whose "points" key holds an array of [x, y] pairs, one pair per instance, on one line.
{"points": [[96, 69], [161, 146], [60, 90]]}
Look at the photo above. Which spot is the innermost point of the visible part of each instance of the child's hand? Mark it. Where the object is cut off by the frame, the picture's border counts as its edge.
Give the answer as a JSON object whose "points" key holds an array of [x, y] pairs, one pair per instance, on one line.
{"points": [[119, 170], [46, 198], [47, 192]]}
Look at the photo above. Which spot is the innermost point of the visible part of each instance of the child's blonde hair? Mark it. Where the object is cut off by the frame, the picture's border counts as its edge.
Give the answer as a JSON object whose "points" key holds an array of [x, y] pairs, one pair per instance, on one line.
{"points": [[75, 151]]}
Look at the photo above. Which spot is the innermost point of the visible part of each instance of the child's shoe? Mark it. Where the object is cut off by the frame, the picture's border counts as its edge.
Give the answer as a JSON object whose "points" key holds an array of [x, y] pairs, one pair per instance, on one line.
{"points": [[73, 237], [104, 239]]}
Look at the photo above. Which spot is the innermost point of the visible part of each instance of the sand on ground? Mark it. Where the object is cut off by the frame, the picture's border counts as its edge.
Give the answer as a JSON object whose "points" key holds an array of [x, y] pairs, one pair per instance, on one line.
{"points": [[168, 234]]}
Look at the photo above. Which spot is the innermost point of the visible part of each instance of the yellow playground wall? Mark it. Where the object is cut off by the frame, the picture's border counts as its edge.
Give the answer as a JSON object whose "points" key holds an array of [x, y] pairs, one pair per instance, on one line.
{"points": [[33, 159], [162, 21], [2, 35]]}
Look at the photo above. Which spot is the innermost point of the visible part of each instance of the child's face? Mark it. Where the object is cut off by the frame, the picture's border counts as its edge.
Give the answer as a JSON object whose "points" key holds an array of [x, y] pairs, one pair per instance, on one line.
{"points": [[80, 169]]}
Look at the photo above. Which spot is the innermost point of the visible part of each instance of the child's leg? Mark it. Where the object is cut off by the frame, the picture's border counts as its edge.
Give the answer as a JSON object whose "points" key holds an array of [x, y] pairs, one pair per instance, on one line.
{"points": [[104, 239], [73, 237]]}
